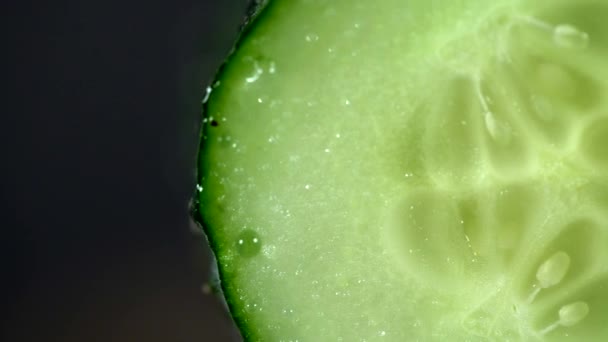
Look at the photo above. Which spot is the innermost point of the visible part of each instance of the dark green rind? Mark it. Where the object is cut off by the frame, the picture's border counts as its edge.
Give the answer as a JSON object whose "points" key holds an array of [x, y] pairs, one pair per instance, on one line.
{"points": [[255, 17]]}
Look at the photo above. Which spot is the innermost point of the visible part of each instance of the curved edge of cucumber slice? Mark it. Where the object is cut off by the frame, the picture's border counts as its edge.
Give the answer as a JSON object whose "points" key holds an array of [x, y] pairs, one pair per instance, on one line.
{"points": [[254, 14], [241, 319]]}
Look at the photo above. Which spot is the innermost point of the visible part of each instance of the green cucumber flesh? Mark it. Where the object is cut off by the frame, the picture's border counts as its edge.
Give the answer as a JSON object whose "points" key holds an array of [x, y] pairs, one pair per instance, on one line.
{"points": [[412, 171]]}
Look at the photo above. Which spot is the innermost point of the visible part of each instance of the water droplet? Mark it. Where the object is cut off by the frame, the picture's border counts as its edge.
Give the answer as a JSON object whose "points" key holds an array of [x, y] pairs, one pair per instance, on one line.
{"points": [[259, 66], [257, 72], [311, 37], [208, 91], [248, 243], [568, 36]]}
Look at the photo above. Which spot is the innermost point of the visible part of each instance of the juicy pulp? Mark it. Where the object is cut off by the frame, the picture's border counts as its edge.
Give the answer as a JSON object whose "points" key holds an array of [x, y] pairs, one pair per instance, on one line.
{"points": [[412, 170]]}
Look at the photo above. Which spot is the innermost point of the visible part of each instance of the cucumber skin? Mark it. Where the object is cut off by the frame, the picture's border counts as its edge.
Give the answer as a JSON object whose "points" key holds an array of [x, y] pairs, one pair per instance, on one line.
{"points": [[255, 13]]}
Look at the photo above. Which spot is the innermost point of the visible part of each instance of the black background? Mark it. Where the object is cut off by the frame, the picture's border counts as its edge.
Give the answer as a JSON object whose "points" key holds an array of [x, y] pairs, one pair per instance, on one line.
{"points": [[99, 136]]}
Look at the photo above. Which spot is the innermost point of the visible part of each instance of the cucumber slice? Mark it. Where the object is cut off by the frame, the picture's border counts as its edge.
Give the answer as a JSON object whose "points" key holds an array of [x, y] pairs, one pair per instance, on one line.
{"points": [[412, 171]]}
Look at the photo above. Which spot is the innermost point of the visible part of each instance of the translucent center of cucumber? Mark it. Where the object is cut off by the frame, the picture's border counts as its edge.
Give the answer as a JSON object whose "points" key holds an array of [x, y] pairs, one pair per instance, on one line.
{"points": [[513, 134]]}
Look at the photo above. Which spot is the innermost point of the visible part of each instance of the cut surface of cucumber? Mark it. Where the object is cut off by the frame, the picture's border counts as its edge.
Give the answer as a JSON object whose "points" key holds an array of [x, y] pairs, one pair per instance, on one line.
{"points": [[412, 171]]}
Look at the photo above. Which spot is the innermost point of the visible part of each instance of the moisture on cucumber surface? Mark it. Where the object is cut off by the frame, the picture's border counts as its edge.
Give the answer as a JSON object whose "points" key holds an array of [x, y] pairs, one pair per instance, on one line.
{"points": [[412, 171]]}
